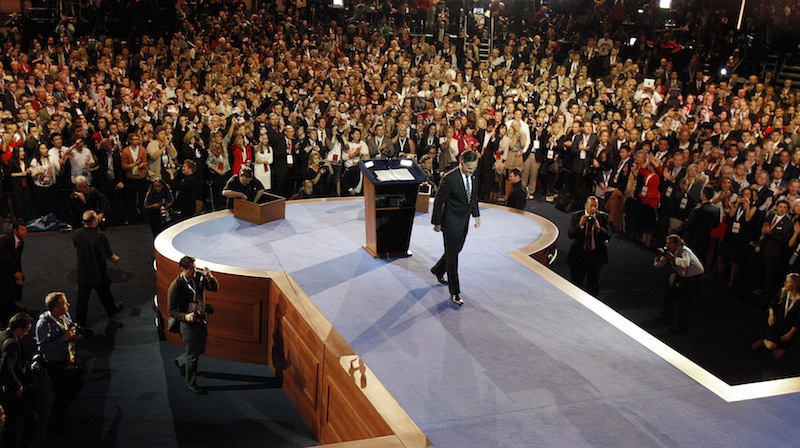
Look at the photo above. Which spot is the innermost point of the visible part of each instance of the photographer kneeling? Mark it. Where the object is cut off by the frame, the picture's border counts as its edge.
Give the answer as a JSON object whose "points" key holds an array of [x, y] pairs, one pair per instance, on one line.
{"points": [[683, 283], [187, 304], [55, 340]]}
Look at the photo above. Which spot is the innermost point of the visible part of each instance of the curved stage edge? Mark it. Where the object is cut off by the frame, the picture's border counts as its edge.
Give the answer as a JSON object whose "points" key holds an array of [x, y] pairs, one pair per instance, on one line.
{"points": [[263, 316]]}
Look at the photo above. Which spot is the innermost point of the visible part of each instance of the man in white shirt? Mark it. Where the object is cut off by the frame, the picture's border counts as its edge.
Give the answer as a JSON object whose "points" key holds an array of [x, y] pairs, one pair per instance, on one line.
{"points": [[683, 283]]}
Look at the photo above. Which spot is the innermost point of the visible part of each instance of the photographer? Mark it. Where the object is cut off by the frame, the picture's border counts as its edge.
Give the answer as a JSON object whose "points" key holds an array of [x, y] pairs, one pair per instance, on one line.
{"points": [[16, 397], [187, 304], [683, 283], [55, 340], [589, 230]]}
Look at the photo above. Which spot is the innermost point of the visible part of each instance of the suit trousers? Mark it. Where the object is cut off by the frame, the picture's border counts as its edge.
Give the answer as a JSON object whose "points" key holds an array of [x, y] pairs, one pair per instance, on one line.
{"points": [[194, 337], [530, 173], [587, 268], [682, 292], [449, 261], [103, 291]]}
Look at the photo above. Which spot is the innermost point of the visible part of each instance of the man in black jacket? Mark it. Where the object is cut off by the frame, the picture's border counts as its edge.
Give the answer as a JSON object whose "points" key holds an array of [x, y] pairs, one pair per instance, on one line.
{"points": [[187, 304], [93, 250], [455, 202], [12, 369], [518, 196], [11, 276], [589, 230]]}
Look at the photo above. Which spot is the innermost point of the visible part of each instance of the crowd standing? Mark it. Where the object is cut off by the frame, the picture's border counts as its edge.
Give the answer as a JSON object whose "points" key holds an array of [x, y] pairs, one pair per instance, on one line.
{"points": [[598, 104]]}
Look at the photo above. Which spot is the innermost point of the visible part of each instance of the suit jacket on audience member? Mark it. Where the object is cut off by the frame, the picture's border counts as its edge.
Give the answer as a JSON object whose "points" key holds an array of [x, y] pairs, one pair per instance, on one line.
{"points": [[697, 229]]}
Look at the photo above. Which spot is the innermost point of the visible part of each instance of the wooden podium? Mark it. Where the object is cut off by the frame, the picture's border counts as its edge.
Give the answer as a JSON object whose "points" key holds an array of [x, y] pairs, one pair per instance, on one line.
{"points": [[271, 208], [390, 203]]}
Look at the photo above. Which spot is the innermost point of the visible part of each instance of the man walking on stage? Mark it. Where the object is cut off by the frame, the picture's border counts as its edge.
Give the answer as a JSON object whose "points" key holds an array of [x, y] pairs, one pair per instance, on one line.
{"points": [[455, 202]]}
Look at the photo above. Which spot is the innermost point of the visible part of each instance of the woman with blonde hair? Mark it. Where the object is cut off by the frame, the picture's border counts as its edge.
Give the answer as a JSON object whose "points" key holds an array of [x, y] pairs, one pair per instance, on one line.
{"points": [[784, 318]]}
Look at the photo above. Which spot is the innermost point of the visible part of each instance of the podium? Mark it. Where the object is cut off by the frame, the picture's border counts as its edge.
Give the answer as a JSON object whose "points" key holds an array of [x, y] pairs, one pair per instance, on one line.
{"points": [[269, 208], [390, 203]]}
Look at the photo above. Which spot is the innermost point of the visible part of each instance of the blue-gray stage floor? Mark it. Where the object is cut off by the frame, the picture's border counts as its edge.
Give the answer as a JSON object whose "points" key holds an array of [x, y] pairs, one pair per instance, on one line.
{"points": [[528, 361]]}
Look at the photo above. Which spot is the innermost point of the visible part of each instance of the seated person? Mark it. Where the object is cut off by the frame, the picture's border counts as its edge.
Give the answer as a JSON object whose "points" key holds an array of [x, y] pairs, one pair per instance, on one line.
{"points": [[243, 186], [306, 191], [784, 318]]}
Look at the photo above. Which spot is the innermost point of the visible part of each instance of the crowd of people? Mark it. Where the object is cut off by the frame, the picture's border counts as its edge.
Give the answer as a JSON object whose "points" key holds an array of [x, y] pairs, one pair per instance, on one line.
{"points": [[615, 109]]}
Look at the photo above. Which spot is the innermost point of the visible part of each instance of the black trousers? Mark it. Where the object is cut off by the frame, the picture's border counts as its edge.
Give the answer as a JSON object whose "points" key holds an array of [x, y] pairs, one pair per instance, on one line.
{"points": [[84, 291], [587, 267], [681, 292], [449, 261], [67, 380], [194, 337], [19, 414]]}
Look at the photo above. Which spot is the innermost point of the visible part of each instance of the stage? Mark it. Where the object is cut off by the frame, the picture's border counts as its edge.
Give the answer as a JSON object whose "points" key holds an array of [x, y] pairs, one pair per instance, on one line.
{"points": [[529, 360]]}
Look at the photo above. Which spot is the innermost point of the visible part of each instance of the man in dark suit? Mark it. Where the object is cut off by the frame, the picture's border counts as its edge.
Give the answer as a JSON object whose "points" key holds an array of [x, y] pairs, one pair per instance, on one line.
{"points": [[703, 218], [455, 202], [776, 231], [12, 368], [589, 230], [11, 276], [582, 151], [187, 305]]}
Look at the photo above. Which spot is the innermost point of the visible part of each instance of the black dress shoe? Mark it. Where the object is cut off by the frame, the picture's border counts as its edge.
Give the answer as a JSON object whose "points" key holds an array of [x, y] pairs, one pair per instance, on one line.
{"points": [[196, 389], [456, 299], [117, 309], [180, 367], [439, 277]]}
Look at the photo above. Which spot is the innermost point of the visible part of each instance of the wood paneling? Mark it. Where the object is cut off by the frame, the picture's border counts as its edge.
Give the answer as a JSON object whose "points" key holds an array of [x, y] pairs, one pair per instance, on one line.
{"points": [[265, 318]]}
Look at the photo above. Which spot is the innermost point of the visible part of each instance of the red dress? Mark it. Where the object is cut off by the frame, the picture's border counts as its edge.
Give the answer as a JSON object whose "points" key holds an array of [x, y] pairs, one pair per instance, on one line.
{"points": [[241, 156]]}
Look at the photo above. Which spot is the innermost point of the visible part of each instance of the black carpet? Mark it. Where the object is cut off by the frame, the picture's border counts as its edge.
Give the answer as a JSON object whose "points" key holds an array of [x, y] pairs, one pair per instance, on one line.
{"points": [[724, 322], [133, 394]]}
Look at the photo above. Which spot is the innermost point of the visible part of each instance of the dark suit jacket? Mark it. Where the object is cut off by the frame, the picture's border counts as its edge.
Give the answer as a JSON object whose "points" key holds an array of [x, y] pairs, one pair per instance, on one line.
{"points": [[11, 362], [576, 253], [10, 264], [180, 294], [775, 246], [581, 166], [697, 228], [452, 208]]}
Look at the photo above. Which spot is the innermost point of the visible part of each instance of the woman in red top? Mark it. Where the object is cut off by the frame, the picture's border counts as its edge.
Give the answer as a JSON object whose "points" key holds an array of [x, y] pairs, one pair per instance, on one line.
{"points": [[242, 154], [647, 193]]}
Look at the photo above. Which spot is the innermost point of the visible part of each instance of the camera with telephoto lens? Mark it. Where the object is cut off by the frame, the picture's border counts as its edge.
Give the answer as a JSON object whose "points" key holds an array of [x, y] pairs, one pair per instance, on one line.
{"points": [[662, 251], [84, 332]]}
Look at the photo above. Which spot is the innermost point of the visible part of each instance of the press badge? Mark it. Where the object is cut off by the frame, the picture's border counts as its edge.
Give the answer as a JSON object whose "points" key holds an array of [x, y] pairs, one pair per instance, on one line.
{"points": [[684, 203], [536, 144], [550, 154], [583, 155], [644, 191], [668, 192], [735, 227]]}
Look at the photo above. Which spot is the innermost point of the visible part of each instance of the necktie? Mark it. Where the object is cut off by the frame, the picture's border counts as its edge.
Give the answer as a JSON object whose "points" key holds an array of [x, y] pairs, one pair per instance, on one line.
{"points": [[588, 242], [774, 221], [469, 190]]}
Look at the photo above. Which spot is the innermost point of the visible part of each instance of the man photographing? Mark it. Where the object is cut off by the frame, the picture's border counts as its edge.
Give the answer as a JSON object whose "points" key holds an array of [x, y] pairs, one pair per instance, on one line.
{"points": [[683, 283], [187, 304]]}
